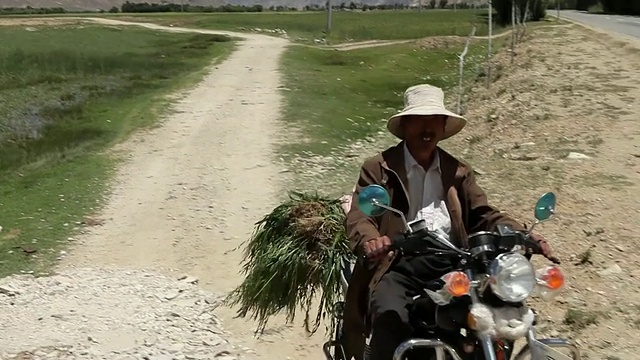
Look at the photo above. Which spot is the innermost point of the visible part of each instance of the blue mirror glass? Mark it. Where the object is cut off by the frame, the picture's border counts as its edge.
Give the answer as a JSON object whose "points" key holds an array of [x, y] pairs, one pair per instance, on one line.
{"points": [[370, 196], [545, 207]]}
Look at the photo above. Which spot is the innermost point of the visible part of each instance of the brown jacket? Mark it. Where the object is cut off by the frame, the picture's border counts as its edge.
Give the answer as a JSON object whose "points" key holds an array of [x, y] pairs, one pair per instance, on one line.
{"points": [[465, 200]]}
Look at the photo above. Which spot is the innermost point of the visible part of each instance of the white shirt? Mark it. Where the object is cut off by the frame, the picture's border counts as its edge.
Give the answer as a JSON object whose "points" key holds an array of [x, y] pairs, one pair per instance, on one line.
{"points": [[426, 194]]}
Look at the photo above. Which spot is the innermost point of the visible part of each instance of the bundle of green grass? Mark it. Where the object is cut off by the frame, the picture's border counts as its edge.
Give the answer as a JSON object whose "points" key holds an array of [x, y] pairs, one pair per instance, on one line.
{"points": [[294, 255]]}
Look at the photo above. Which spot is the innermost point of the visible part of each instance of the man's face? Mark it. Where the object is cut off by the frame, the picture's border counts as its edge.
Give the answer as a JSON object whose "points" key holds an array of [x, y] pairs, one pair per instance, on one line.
{"points": [[422, 134]]}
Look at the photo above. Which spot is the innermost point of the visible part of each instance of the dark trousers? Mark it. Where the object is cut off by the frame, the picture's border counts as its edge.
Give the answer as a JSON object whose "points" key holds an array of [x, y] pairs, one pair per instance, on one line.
{"points": [[391, 302], [389, 308]]}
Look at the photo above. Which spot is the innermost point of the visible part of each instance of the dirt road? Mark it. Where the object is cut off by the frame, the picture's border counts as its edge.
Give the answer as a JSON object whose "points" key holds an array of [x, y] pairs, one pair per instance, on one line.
{"points": [[191, 190]]}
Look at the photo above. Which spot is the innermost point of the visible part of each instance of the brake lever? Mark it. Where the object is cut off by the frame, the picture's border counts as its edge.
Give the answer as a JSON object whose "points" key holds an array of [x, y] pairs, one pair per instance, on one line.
{"points": [[554, 260], [533, 247]]}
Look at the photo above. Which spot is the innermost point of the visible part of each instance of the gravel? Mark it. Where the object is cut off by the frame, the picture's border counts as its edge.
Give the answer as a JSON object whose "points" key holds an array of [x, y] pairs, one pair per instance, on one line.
{"points": [[110, 314]]}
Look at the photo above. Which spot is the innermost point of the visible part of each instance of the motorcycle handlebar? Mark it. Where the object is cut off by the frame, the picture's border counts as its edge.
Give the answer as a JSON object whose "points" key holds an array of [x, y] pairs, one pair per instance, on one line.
{"points": [[416, 243], [398, 242], [407, 243], [531, 246]]}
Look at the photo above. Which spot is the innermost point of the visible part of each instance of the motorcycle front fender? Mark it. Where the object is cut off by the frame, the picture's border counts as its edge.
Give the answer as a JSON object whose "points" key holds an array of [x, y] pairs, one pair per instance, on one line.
{"points": [[439, 346]]}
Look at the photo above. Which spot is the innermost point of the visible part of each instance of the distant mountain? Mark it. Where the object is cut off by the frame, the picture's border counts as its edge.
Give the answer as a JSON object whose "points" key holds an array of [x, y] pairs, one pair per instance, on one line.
{"points": [[93, 5]]}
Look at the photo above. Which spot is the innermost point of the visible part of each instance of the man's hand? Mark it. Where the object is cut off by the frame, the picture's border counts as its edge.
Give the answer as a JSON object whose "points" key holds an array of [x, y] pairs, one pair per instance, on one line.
{"points": [[376, 248], [545, 247]]}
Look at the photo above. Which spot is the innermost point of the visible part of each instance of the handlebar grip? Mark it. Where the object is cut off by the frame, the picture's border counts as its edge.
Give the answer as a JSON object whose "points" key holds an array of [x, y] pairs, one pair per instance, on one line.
{"points": [[396, 243], [535, 248], [532, 246], [520, 238], [360, 256]]}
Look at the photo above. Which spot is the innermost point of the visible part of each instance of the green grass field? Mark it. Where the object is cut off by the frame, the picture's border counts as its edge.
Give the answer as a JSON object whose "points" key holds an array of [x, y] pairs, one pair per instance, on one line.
{"points": [[338, 97], [66, 94], [347, 26]]}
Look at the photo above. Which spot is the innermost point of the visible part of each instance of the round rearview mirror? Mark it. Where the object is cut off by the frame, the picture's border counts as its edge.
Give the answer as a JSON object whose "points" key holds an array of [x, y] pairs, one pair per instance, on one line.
{"points": [[370, 199], [545, 207]]}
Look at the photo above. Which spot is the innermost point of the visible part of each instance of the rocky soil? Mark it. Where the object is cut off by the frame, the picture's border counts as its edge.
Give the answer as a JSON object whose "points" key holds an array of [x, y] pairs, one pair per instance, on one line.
{"points": [[564, 118], [110, 314]]}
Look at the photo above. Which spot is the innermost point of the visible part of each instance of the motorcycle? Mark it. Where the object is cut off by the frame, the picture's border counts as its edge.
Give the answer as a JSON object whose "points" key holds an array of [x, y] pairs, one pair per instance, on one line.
{"points": [[477, 310]]}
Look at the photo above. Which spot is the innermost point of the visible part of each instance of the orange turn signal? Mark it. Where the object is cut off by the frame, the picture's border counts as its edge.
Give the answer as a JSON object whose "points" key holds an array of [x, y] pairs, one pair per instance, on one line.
{"points": [[471, 321], [553, 277], [457, 283]]}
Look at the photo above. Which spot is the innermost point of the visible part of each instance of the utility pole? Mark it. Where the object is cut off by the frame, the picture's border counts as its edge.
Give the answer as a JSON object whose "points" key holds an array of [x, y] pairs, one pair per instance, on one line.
{"points": [[489, 47], [420, 6], [329, 11], [558, 10], [513, 31]]}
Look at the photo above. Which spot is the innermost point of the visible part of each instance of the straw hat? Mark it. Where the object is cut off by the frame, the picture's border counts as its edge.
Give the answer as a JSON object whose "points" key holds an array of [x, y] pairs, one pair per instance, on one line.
{"points": [[426, 100]]}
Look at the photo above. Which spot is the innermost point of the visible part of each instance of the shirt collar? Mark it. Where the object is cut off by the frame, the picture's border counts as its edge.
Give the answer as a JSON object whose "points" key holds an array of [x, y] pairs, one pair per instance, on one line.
{"points": [[411, 164]]}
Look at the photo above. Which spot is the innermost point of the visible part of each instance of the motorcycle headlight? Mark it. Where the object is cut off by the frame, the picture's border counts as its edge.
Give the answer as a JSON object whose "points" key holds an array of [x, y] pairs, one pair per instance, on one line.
{"points": [[512, 277]]}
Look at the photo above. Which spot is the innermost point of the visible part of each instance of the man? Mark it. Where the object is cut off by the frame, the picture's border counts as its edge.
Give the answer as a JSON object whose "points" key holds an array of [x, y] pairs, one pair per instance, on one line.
{"points": [[424, 182]]}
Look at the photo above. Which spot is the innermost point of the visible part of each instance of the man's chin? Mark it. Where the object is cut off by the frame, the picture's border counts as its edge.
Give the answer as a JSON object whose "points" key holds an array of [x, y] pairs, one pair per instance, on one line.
{"points": [[426, 147], [423, 149]]}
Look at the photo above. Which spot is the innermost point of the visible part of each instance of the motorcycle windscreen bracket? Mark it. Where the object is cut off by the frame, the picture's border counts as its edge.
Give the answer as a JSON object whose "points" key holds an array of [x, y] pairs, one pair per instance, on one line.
{"points": [[541, 351], [505, 230], [439, 297], [417, 225]]}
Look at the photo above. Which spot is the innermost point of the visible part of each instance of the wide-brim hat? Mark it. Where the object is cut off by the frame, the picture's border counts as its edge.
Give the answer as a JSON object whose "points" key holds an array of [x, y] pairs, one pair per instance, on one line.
{"points": [[425, 100]]}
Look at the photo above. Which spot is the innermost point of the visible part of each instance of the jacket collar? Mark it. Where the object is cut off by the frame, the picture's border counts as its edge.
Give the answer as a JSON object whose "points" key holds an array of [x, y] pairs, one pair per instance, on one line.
{"points": [[412, 165], [394, 160]]}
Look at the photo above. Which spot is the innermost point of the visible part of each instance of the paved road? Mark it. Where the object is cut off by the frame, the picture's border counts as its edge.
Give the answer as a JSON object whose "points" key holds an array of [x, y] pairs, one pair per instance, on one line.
{"points": [[627, 25]]}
